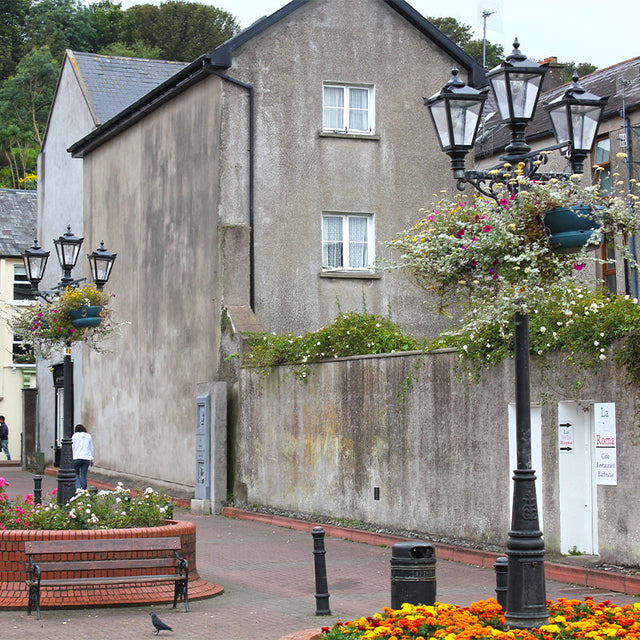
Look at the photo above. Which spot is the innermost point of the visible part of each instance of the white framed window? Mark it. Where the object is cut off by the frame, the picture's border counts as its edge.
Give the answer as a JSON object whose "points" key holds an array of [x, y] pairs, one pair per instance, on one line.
{"points": [[347, 241], [21, 285], [348, 108]]}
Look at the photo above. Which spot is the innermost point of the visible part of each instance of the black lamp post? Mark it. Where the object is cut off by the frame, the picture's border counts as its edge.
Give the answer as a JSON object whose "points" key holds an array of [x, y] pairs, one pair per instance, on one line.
{"points": [[516, 84], [35, 261], [68, 250], [575, 116], [456, 114], [101, 261]]}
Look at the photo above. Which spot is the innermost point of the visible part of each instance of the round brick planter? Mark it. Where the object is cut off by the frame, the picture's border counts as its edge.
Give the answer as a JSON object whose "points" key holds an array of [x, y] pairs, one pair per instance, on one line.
{"points": [[13, 570]]}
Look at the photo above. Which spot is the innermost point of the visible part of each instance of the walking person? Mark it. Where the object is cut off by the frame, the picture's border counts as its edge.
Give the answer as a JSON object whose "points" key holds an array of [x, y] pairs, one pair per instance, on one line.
{"points": [[4, 437], [82, 448]]}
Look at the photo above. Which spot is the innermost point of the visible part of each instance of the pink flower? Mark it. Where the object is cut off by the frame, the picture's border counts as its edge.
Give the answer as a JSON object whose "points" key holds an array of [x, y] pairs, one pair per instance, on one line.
{"points": [[578, 266], [487, 229]]}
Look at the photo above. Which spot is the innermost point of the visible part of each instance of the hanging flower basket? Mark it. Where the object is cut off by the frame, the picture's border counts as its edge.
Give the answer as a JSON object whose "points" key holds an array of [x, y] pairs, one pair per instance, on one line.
{"points": [[76, 315], [570, 228], [85, 316]]}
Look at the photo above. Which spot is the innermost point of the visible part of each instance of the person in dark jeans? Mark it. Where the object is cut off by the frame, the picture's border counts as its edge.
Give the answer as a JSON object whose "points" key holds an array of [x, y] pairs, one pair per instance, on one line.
{"points": [[4, 437], [82, 447]]}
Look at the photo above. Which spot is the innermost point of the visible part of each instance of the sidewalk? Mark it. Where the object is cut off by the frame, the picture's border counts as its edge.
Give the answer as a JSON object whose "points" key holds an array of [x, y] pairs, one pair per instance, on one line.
{"points": [[267, 572]]}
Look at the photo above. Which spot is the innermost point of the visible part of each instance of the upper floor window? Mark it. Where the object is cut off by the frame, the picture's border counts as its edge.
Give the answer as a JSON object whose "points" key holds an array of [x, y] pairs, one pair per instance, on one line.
{"points": [[348, 108], [21, 284], [602, 162], [347, 241]]}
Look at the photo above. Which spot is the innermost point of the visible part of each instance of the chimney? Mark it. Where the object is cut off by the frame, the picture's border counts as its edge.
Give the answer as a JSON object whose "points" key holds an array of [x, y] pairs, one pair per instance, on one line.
{"points": [[555, 76]]}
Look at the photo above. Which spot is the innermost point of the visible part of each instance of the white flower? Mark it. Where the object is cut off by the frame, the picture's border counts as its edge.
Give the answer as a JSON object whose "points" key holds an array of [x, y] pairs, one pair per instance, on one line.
{"points": [[602, 356], [596, 343], [543, 329]]}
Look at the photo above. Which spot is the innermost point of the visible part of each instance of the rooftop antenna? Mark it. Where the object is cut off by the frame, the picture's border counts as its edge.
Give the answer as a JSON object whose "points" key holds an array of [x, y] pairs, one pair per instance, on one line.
{"points": [[485, 15]]}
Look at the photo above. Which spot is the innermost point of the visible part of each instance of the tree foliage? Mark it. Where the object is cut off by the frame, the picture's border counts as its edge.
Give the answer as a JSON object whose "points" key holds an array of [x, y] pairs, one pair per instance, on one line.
{"points": [[180, 30], [12, 28], [462, 35], [581, 68], [35, 33], [59, 25], [25, 99]]}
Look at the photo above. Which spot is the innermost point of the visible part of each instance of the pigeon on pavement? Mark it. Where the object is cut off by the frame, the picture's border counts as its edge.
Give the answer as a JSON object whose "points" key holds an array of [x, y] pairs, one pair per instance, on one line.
{"points": [[158, 624]]}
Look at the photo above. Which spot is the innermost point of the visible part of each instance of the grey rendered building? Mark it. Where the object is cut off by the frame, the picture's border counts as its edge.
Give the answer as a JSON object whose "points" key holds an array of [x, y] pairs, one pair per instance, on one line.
{"points": [[258, 184]]}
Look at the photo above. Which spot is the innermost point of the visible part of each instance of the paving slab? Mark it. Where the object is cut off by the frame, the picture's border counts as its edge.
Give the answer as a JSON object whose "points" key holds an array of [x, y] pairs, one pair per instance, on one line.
{"points": [[267, 571]]}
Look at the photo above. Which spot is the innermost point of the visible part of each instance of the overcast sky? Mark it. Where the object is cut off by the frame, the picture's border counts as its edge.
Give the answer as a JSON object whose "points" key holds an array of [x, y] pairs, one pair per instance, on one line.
{"points": [[571, 30]]}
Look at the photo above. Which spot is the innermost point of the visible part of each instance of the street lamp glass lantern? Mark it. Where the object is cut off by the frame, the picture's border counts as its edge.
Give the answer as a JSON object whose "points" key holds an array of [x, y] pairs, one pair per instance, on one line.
{"points": [[456, 112], [516, 84], [35, 262], [101, 261], [575, 116], [68, 249]]}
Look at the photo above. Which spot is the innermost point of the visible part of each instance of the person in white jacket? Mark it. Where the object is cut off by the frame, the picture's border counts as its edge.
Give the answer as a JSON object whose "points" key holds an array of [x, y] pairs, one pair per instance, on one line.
{"points": [[82, 447]]}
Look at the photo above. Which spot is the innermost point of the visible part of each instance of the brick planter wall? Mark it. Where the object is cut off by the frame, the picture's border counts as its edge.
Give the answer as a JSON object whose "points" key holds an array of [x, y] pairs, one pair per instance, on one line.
{"points": [[13, 570]]}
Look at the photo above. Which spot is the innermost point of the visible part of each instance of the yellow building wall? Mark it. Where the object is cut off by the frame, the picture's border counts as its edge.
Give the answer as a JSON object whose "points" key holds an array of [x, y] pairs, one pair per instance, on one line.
{"points": [[14, 377]]}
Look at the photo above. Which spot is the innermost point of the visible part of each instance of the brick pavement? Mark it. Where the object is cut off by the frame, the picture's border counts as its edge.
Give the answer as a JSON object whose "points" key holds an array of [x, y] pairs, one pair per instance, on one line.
{"points": [[267, 575]]}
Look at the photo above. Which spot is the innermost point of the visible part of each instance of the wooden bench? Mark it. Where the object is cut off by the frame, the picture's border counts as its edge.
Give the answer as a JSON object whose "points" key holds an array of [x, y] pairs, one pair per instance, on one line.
{"points": [[105, 562]]}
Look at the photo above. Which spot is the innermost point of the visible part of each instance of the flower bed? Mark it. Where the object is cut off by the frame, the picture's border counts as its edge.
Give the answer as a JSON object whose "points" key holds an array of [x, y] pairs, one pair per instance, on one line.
{"points": [[485, 619], [107, 515]]}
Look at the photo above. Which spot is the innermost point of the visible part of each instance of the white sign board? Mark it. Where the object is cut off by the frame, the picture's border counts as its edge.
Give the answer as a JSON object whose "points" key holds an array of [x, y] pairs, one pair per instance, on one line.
{"points": [[605, 432], [565, 437]]}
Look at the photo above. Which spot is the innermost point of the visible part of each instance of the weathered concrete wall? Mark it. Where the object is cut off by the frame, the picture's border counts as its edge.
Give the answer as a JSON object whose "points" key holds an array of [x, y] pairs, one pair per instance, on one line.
{"points": [[161, 214], [441, 459]]}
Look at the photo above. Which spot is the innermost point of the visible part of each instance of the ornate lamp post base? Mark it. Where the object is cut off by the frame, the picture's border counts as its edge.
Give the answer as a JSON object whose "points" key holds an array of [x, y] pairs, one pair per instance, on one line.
{"points": [[526, 597]]}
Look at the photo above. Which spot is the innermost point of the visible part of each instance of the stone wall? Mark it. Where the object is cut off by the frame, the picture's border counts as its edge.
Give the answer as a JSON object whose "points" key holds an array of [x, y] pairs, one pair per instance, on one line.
{"points": [[439, 459]]}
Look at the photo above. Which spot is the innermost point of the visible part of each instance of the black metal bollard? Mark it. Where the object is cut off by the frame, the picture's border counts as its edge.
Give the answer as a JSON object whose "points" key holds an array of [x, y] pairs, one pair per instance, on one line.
{"points": [[37, 489], [322, 589], [501, 566], [413, 573]]}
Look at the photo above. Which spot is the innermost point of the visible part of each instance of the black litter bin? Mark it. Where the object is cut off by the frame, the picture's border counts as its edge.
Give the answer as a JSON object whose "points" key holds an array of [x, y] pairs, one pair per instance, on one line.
{"points": [[413, 573]]}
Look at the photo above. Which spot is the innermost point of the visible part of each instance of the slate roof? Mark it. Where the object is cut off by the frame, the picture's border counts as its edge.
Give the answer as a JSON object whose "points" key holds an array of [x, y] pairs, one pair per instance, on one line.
{"points": [[112, 83], [605, 82], [18, 219]]}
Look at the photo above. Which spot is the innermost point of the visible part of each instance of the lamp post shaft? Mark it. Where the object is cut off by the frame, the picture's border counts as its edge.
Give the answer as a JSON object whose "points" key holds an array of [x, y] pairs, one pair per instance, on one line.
{"points": [[66, 473], [526, 599]]}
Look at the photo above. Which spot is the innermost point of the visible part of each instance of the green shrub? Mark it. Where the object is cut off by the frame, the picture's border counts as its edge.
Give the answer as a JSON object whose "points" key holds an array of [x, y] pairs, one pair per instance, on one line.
{"points": [[582, 324], [351, 334]]}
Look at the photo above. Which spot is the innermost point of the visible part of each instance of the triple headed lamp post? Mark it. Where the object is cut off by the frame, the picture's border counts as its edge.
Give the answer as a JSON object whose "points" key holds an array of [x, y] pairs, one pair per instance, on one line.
{"points": [[456, 113], [35, 261]]}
